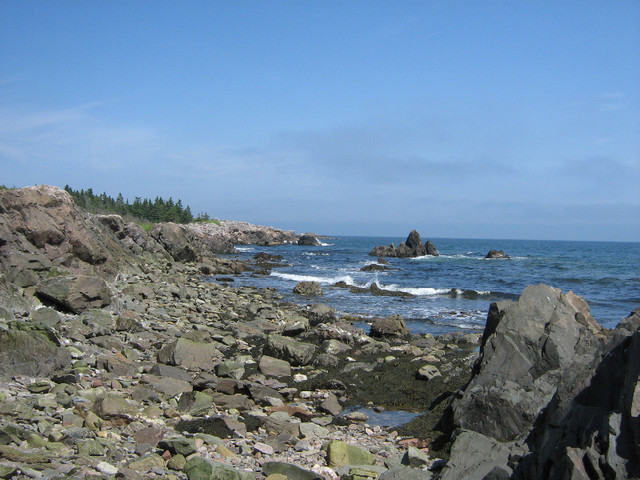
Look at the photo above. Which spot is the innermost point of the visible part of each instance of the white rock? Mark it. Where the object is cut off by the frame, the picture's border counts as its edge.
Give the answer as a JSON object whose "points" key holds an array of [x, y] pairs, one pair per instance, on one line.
{"points": [[107, 468]]}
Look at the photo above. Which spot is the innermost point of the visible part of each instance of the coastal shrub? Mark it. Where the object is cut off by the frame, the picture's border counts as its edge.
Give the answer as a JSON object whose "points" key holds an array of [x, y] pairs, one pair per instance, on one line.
{"points": [[157, 210]]}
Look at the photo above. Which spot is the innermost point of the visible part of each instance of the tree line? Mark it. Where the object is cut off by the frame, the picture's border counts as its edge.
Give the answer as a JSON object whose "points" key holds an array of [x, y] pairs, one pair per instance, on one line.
{"points": [[157, 210]]}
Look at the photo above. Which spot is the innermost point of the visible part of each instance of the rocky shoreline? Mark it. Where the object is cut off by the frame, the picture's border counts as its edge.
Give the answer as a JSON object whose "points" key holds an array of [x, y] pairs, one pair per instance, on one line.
{"points": [[121, 356]]}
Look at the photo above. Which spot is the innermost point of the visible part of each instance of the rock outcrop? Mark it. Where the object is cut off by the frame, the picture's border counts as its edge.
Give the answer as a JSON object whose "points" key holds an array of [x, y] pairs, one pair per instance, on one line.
{"points": [[243, 233], [412, 247], [41, 229], [552, 391]]}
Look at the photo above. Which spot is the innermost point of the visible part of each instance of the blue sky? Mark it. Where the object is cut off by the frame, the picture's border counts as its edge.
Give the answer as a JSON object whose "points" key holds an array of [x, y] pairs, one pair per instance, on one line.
{"points": [[461, 119]]}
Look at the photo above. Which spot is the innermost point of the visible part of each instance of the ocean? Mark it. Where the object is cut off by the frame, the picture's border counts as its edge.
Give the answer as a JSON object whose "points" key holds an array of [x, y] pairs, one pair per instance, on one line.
{"points": [[453, 292]]}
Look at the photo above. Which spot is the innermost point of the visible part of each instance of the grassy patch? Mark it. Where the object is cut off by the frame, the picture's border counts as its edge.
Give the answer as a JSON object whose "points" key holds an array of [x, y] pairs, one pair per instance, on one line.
{"points": [[147, 226]]}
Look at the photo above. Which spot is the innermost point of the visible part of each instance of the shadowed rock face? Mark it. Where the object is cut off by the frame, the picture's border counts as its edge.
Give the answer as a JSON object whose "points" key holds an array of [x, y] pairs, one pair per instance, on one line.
{"points": [[554, 389]]}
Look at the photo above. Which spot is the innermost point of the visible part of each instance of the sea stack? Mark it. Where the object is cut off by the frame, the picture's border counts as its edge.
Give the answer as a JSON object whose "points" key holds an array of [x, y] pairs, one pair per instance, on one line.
{"points": [[412, 247]]}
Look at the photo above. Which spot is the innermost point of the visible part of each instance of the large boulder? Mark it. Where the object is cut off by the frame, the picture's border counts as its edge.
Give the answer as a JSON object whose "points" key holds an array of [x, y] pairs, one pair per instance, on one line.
{"points": [[551, 391], [286, 348], [75, 293], [190, 355], [391, 326], [529, 348]]}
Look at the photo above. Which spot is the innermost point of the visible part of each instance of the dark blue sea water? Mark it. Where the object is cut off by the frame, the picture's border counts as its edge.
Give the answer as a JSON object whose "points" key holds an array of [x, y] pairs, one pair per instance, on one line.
{"points": [[453, 292]]}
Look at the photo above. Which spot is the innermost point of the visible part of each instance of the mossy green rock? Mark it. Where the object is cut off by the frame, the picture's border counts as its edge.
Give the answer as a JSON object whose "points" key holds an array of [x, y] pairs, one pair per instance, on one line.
{"points": [[146, 463], [340, 453], [198, 468], [178, 445], [359, 473], [91, 448], [288, 470], [177, 462]]}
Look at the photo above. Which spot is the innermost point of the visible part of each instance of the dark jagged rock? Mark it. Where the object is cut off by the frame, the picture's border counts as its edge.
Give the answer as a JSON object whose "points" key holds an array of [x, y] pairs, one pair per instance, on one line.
{"points": [[412, 247], [497, 254], [308, 240], [553, 391]]}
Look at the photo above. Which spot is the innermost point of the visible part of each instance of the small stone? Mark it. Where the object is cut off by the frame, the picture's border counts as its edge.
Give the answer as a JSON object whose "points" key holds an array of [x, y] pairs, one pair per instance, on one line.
{"points": [[263, 448], [340, 453], [106, 468], [91, 447], [357, 417], [331, 405], [415, 457], [428, 372], [177, 462]]}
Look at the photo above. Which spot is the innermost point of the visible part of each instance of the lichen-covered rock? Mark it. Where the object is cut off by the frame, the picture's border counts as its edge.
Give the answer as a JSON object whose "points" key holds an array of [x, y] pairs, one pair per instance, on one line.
{"points": [[340, 453]]}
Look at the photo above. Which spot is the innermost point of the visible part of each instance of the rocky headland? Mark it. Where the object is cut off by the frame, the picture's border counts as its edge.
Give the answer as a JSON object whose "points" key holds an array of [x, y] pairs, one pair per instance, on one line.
{"points": [[121, 357]]}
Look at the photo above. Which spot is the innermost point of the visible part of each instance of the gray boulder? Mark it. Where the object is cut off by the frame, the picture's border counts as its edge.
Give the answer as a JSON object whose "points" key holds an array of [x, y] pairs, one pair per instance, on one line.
{"points": [[311, 289], [75, 293], [528, 349], [474, 456], [391, 326], [552, 395], [286, 348]]}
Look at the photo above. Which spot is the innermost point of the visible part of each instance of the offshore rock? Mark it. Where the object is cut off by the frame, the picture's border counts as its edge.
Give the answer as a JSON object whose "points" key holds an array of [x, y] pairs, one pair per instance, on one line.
{"points": [[497, 254], [412, 247], [308, 240]]}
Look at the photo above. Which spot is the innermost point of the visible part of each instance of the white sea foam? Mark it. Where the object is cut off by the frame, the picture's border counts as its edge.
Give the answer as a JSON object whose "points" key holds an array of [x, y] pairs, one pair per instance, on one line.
{"points": [[313, 278], [417, 291], [245, 249]]}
